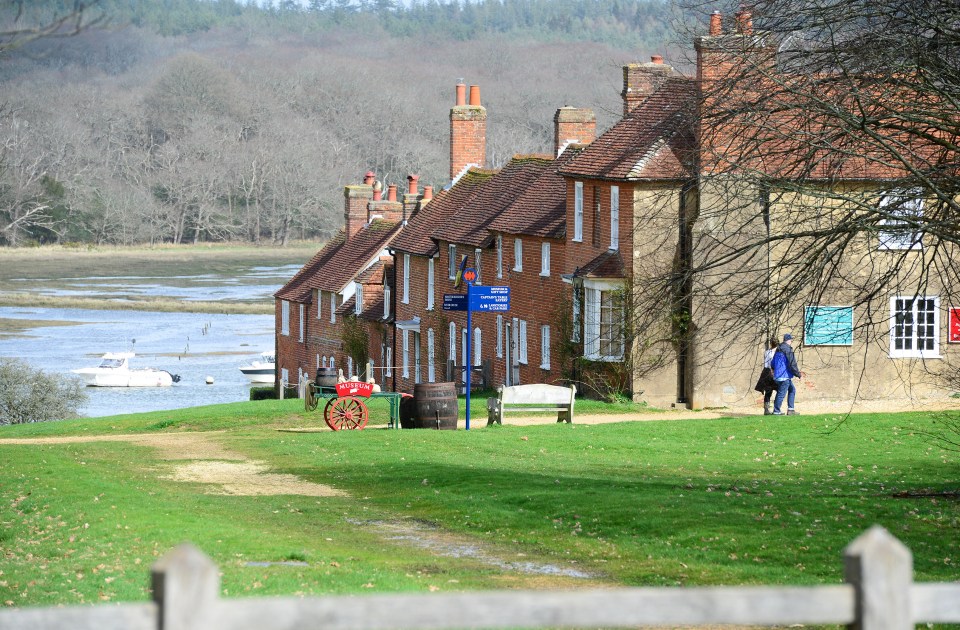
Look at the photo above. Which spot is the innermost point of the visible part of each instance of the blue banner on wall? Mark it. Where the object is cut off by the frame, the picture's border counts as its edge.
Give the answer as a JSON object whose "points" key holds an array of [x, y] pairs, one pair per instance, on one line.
{"points": [[828, 326]]}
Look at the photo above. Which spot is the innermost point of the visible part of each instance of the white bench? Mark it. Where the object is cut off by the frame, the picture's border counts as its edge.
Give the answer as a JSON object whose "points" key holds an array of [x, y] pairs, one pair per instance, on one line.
{"points": [[535, 397]]}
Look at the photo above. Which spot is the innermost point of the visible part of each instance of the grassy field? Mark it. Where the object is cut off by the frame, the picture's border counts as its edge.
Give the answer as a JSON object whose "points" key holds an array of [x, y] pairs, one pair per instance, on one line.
{"points": [[167, 263], [725, 501]]}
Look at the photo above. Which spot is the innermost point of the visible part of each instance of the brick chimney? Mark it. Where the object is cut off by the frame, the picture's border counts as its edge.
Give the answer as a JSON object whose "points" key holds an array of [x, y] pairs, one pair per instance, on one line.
{"points": [[640, 80], [468, 131], [411, 197], [355, 200], [389, 209], [573, 125], [721, 55]]}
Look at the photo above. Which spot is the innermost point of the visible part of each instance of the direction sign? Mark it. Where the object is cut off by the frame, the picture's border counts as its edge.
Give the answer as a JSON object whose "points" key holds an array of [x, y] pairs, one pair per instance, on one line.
{"points": [[454, 301], [490, 298], [470, 275]]}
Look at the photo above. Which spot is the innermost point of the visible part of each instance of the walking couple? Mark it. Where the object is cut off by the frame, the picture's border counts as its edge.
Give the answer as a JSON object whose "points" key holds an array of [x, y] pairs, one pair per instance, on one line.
{"points": [[779, 368]]}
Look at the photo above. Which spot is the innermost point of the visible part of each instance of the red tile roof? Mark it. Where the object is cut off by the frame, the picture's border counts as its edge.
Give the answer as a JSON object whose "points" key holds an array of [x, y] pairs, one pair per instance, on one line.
{"points": [[416, 236], [609, 264], [338, 263], [655, 141], [540, 209], [470, 224]]}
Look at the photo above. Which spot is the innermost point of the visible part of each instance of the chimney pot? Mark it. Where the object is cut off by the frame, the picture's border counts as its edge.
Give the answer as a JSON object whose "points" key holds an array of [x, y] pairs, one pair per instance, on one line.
{"points": [[412, 184], [392, 192], [461, 94], [716, 24], [427, 193], [368, 178], [656, 59], [475, 95]]}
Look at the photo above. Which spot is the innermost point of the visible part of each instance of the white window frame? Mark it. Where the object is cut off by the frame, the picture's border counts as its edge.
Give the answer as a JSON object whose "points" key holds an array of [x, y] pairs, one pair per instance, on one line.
{"points": [[545, 259], [430, 284], [386, 301], [333, 307], [919, 330], [499, 255], [477, 346], [545, 347], [464, 359], [452, 342], [576, 315], [318, 298], [452, 255], [499, 336], [406, 354], [903, 203], [578, 212], [593, 312], [615, 217], [302, 323], [333, 361], [285, 318], [477, 260], [522, 350], [431, 361], [406, 279], [388, 367], [358, 299], [518, 254], [416, 357]]}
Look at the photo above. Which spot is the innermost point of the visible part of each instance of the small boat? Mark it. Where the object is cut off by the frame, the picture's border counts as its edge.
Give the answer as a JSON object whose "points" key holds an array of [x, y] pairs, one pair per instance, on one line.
{"points": [[262, 371], [115, 371]]}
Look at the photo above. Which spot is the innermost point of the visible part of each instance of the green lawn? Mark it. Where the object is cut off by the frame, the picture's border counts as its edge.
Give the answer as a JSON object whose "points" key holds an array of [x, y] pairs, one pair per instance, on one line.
{"points": [[730, 501]]}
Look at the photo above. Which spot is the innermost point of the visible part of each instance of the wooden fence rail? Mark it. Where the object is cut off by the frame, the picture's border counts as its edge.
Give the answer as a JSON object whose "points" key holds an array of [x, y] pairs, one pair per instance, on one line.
{"points": [[879, 594]]}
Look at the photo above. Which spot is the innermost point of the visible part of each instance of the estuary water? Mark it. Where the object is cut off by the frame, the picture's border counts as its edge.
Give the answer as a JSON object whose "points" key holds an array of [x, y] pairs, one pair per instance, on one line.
{"points": [[194, 345]]}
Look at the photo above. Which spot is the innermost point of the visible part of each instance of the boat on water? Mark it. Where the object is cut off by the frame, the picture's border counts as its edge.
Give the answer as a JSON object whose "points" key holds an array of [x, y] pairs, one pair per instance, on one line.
{"points": [[115, 371], [263, 370]]}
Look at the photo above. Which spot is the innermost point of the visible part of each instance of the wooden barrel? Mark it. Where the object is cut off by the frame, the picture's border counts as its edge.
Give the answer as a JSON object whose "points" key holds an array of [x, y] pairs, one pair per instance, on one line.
{"points": [[435, 405], [326, 377]]}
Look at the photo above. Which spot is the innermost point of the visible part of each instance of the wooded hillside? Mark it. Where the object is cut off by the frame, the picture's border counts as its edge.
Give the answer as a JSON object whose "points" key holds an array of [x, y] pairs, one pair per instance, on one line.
{"points": [[191, 120]]}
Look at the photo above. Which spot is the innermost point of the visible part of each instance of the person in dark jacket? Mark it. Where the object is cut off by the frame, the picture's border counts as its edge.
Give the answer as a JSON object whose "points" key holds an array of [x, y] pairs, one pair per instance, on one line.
{"points": [[785, 368]]}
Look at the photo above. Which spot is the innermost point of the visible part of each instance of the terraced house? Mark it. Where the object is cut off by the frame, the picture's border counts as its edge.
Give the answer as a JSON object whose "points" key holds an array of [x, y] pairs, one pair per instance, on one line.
{"points": [[652, 261]]}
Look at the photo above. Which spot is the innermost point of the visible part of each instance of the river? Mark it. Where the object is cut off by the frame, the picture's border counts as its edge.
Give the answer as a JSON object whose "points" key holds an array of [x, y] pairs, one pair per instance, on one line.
{"points": [[197, 346]]}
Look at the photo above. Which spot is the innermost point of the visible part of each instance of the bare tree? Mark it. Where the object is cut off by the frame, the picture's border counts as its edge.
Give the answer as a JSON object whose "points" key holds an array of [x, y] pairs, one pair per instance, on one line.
{"points": [[829, 173], [24, 21]]}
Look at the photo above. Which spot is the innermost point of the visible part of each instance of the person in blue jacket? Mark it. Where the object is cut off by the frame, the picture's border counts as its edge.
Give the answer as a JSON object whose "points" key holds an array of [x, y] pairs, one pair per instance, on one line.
{"points": [[784, 366]]}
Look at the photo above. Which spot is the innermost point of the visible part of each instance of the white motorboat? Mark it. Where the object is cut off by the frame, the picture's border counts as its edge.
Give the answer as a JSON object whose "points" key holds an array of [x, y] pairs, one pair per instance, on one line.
{"points": [[115, 371], [263, 370]]}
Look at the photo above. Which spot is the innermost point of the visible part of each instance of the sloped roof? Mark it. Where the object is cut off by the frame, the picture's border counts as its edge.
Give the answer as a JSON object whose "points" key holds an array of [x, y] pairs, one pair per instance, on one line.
{"points": [[338, 263], [348, 307], [655, 141], [298, 289], [541, 208], [609, 264], [416, 236], [470, 224]]}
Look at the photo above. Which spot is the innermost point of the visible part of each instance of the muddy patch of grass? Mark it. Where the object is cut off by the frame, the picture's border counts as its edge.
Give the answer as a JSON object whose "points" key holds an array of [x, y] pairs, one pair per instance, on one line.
{"points": [[18, 327]]}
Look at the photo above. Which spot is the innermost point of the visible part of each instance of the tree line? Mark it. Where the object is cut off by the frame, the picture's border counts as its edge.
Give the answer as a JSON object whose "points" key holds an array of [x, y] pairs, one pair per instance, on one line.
{"points": [[186, 121]]}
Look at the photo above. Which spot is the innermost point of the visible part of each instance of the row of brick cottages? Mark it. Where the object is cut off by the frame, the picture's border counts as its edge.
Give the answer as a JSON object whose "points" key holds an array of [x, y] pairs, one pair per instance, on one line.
{"points": [[571, 235]]}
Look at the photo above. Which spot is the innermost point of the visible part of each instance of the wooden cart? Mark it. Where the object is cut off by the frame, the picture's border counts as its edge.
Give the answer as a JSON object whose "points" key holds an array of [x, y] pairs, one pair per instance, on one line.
{"points": [[345, 407]]}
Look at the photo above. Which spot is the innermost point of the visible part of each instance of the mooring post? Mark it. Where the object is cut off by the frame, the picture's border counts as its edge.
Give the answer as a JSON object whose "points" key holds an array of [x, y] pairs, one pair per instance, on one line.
{"points": [[880, 568], [186, 588]]}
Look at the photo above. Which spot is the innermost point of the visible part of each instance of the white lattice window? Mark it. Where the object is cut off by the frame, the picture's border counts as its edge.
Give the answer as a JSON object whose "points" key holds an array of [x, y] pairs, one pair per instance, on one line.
{"points": [[522, 349], [915, 326], [545, 347], [406, 278], [544, 259], [499, 255], [431, 361], [452, 263], [578, 211], [900, 229], [517, 254], [603, 322], [405, 364], [430, 284], [302, 323], [285, 318], [614, 217]]}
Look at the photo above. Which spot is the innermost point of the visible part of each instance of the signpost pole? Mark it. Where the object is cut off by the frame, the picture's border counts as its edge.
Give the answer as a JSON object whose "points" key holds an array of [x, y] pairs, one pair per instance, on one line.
{"points": [[468, 360]]}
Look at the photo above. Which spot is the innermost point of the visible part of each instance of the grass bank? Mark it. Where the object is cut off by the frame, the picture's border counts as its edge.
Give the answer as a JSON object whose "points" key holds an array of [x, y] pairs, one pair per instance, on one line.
{"points": [[726, 501]]}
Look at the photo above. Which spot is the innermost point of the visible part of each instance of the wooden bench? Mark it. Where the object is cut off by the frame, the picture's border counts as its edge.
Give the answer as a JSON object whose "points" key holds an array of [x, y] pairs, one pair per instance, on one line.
{"points": [[535, 397]]}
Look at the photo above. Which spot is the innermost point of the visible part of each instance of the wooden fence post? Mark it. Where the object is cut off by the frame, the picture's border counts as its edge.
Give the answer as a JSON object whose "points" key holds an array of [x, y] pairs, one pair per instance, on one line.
{"points": [[186, 589], [880, 568]]}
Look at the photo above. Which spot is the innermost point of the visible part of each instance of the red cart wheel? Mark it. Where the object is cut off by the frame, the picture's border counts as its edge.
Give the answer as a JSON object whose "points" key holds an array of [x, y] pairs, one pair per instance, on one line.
{"points": [[345, 413]]}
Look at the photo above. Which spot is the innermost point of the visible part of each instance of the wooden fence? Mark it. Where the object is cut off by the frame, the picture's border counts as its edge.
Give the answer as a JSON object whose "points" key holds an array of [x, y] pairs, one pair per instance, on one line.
{"points": [[879, 594]]}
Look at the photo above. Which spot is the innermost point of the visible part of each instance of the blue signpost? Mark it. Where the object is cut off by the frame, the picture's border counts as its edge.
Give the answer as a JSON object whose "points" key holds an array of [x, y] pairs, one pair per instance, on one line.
{"points": [[476, 299]]}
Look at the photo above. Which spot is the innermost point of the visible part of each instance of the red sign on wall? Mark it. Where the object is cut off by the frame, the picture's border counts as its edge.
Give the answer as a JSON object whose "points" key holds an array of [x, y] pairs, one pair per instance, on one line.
{"points": [[954, 335]]}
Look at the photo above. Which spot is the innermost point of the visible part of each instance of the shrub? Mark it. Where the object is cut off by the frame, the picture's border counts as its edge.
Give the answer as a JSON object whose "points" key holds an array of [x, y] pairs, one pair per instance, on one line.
{"points": [[266, 392], [29, 395]]}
